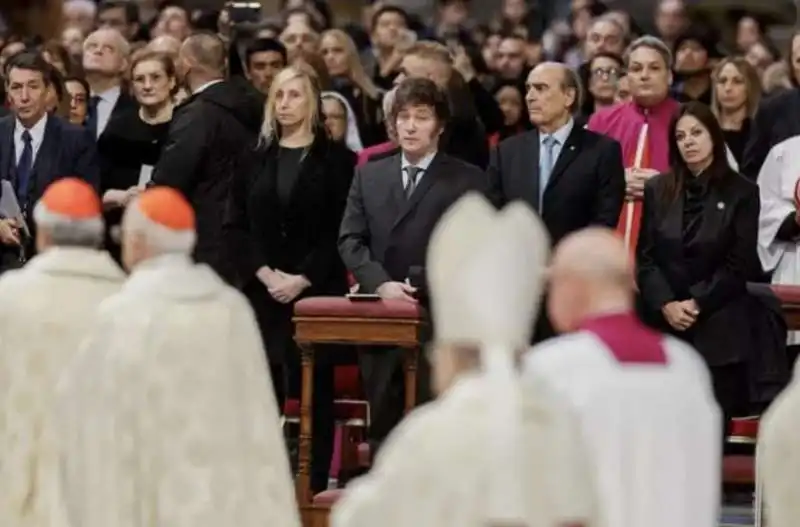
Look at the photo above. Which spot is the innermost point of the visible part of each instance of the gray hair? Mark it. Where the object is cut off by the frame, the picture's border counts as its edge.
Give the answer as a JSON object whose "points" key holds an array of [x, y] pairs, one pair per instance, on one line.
{"points": [[650, 42], [610, 19], [572, 81], [78, 234]]}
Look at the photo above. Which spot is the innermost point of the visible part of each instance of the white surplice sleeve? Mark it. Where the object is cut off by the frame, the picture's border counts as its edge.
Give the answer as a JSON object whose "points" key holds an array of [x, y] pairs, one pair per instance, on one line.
{"points": [[776, 182]]}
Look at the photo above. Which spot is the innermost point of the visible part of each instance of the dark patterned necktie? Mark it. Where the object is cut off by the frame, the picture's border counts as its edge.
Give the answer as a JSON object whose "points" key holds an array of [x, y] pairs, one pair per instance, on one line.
{"points": [[24, 168], [413, 176], [92, 122]]}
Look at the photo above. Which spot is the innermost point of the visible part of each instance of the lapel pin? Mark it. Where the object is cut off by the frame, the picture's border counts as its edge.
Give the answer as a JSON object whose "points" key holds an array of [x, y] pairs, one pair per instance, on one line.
{"points": [[720, 205], [572, 147]]}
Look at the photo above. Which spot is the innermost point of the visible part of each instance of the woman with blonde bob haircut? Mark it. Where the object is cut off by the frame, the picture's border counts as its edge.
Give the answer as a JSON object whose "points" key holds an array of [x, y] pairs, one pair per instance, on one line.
{"points": [[283, 219], [351, 80], [735, 95]]}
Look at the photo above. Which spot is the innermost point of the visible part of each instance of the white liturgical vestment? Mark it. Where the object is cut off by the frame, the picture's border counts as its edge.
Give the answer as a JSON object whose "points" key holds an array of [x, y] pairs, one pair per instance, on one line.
{"points": [[46, 310], [168, 416], [779, 456], [777, 182], [651, 423], [432, 472]]}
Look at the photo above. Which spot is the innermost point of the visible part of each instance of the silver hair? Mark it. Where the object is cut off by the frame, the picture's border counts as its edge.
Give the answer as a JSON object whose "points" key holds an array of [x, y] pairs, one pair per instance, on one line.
{"points": [[611, 19], [650, 42], [86, 6], [79, 234]]}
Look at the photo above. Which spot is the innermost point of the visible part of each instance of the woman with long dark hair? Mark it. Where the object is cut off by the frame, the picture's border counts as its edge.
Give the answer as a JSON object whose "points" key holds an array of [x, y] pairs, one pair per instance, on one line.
{"points": [[697, 250]]}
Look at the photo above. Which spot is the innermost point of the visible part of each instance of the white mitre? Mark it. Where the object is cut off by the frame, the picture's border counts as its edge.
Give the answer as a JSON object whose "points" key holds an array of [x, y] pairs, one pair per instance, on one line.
{"points": [[485, 271]]}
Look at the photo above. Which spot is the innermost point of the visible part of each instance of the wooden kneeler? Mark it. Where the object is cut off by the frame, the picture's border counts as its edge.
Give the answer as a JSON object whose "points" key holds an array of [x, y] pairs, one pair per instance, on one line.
{"points": [[338, 320]]}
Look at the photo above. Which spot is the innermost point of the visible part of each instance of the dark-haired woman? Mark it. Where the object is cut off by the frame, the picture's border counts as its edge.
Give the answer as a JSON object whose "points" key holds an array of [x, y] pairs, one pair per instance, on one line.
{"points": [[131, 143], [696, 251]]}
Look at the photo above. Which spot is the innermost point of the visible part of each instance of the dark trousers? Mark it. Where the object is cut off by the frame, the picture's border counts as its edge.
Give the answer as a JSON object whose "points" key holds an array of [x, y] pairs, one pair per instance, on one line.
{"points": [[384, 387], [286, 380], [731, 390]]}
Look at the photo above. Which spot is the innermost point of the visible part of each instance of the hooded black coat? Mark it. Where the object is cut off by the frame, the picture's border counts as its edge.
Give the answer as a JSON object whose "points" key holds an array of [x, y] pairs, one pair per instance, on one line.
{"points": [[211, 133]]}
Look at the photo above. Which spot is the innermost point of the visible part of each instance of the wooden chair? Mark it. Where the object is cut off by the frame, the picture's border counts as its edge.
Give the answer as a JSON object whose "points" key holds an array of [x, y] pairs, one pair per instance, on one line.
{"points": [[351, 414], [338, 320]]}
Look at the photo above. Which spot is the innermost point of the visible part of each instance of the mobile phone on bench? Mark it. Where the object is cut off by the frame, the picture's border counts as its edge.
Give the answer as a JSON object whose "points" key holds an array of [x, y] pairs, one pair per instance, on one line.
{"points": [[363, 297]]}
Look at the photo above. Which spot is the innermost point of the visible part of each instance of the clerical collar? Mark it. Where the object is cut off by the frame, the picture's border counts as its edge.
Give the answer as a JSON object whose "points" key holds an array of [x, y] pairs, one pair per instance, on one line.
{"points": [[628, 340]]}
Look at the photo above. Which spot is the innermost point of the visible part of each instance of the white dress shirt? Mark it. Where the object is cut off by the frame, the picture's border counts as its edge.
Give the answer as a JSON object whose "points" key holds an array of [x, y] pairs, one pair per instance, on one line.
{"points": [[37, 136], [108, 99], [423, 165]]}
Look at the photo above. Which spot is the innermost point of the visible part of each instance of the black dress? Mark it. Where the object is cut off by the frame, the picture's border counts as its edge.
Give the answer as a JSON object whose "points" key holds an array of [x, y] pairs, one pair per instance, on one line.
{"points": [[126, 145], [701, 246], [737, 139], [284, 213]]}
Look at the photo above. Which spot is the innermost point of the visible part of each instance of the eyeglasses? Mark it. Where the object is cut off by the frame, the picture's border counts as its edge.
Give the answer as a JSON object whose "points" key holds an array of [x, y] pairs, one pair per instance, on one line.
{"points": [[606, 73]]}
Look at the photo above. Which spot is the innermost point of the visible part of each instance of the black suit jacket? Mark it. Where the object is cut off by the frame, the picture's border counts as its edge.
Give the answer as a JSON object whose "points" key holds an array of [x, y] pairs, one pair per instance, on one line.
{"points": [[383, 235], [586, 187], [296, 235], [66, 150], [125, 103], [712, 267], [210, 136], [774, 122]]}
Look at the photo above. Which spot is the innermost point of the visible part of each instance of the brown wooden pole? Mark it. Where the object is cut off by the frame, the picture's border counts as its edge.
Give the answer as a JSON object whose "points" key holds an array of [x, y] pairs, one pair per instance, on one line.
{"points": [[303, 482]]}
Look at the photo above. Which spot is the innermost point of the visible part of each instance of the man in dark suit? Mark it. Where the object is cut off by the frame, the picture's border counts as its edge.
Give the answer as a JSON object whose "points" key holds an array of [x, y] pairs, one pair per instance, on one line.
{"points": [[393, 206], [571, 176], [105, 61], [36, 149], [208, 138]]}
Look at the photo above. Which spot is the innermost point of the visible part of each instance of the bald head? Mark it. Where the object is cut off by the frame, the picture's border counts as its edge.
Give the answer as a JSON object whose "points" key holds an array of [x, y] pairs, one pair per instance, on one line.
{"points": [[594, 254], [591, 273], [166, 44], [206, 52]]}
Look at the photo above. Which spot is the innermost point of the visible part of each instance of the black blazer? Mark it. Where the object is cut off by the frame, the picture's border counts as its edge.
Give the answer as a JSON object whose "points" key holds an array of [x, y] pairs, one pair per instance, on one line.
{"points": [[383, 236], [298, 237], [125, 103], [773, 123], [66, 150], [586, 187], [712, 267], [209, 136]]}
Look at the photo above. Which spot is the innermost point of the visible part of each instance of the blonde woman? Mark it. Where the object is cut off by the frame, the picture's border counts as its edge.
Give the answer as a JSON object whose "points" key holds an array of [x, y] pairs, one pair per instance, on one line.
{"points": [[284, 215], [351, 80], [735, 95]]}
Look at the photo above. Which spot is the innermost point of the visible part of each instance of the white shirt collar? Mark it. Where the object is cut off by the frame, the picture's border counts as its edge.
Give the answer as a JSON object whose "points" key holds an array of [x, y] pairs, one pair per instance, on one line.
{"points": [[206, 86], [110, 95], [36, 131], [423, 164], [562, 134]]}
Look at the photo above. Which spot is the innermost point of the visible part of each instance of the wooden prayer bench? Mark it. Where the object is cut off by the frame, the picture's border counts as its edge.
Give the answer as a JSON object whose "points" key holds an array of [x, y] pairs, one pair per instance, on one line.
{"points": [[338, 320]]}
